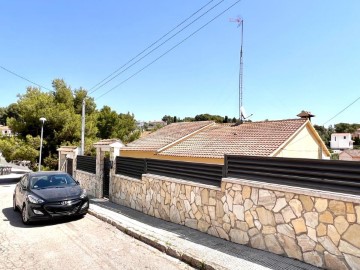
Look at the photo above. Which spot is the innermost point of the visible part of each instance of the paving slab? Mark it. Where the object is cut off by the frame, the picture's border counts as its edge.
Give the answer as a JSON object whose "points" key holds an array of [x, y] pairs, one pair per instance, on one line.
{"points": [[198, 249]]}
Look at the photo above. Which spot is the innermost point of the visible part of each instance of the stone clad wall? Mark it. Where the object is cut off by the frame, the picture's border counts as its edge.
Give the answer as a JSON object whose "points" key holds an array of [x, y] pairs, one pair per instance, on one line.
{"points": [[320, 228], [87, 181]]}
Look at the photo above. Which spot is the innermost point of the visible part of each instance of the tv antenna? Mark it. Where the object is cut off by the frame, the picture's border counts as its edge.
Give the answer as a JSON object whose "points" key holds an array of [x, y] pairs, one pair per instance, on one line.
{"points": [[242, 115]]}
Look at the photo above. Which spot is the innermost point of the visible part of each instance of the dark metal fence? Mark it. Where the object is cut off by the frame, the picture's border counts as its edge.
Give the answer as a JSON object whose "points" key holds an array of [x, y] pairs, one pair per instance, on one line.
{"points": [[86, 164], [331, 175], [133, 167], [198, 172]]}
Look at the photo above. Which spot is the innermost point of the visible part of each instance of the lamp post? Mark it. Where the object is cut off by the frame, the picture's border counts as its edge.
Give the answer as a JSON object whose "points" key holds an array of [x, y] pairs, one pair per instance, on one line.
{"points": [[42, 119]]}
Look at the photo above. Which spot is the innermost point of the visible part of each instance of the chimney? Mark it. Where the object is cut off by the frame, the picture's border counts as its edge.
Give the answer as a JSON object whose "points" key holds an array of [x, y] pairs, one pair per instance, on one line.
{"points": [[306, 115]]}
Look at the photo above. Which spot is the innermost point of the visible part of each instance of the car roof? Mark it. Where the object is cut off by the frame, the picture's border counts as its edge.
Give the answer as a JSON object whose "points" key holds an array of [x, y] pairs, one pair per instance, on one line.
{"points": [[46, 173]]}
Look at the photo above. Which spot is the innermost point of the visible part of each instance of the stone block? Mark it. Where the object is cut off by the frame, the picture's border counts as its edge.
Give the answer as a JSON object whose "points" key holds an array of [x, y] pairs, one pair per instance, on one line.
{"points": [[345, 247], [222, 233], [333, 262], [326, 217], [289, 196], [350, 208], [242, 226], [351, 218], [337, 207], [321, 205], [266, 217], [352, 235], [246, 192], [253, 231], [286, 229], [290, 247], [311, 219], [267, 199], [280, 204], [203, 226], [307, 202], [238, 199], [321, 230], [249, 219], [272, 244], [305, 243], [312, 233], [333, 234], [288, 214], [313, 258], [296, 206], [341, 224], [299, 225], [279, 218], [257, 242], [268, 230], [248, 204], [239, 236], [255, 195], [357, 211], [239, 212], [329, 246], [191, 223], [353, 262], [205, 196]]}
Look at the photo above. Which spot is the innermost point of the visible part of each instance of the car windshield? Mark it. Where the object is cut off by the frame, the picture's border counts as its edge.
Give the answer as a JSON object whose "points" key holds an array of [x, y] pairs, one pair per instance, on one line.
{"points": [[51, 181]]}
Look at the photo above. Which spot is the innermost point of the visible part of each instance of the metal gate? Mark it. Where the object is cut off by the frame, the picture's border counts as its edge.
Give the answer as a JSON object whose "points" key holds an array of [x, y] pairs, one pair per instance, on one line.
{"points": [[106, 177], [69, 166]]}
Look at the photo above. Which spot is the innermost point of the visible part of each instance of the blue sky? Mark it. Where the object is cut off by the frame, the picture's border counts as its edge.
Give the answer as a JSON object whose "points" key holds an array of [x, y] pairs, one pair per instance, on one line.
{"points": [[298, 55]]}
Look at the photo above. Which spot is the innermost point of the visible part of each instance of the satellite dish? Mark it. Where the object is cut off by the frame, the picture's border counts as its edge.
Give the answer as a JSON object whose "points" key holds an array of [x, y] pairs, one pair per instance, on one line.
{"points": [[243, 113]]}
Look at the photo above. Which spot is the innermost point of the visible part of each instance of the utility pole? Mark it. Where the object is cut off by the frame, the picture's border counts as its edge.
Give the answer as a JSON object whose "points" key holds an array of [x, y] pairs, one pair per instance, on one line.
{"points": [[240, 23], [42, 119], [83, 127]]}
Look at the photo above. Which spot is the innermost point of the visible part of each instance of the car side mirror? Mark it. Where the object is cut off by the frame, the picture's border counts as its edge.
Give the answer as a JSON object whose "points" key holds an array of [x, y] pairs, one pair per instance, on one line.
{"points": [[77, 182], [23, 187]]}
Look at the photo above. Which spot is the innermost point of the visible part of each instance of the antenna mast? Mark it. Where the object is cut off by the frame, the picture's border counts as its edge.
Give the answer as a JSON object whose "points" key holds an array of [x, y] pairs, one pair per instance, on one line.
{"points": [[240, 23]]}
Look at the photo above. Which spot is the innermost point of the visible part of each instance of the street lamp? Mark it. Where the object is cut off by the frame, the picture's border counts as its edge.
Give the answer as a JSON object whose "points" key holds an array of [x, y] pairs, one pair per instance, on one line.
{"points": [[42, 119]]}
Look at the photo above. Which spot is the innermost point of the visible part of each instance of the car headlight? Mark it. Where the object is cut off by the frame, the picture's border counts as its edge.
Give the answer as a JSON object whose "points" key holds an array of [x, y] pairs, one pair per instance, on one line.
{"points": [[34, 199], [83, 194]]}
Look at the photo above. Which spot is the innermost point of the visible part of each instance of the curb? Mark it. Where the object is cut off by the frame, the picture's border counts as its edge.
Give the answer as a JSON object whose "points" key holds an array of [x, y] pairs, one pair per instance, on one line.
{"points": [[186, 257]]}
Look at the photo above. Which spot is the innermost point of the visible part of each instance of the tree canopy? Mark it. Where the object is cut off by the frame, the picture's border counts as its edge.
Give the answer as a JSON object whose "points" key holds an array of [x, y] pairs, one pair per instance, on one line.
{"points": [[62, 108]]}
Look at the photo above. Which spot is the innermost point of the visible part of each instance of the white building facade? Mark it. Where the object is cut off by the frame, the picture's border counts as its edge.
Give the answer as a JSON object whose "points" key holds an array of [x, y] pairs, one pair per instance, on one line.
{"points": [[341, 141]]}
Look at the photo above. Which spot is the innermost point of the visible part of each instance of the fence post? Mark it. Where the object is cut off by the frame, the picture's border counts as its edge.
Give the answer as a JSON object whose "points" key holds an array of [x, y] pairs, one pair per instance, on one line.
{"points": [[225, 167]]}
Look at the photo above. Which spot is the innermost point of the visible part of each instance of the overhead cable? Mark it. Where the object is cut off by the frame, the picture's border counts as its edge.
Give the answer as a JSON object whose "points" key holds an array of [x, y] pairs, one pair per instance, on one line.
{"points": [[117, 72], [342, 110], [17, 75], [172, 48]]}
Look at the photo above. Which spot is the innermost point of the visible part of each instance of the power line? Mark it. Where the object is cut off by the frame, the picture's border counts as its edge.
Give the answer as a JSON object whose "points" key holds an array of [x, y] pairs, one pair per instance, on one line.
{"points": [[342, 110], [17, 75], [152, 44], [172, 48], [116, 74]]}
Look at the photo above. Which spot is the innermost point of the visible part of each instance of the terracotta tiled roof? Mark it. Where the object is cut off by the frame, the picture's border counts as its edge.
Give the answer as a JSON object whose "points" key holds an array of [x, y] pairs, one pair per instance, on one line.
{"points": [[352, 152], [166, 136], [249, 138]]}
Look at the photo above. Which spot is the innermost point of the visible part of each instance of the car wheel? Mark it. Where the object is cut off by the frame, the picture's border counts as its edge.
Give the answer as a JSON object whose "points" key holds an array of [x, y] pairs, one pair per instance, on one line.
{"points": [[24, 216], [14, 204]]}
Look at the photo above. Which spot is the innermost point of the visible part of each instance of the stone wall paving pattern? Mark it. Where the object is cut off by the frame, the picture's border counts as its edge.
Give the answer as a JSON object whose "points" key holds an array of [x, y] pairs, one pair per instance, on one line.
{"points": [[322, 232]]}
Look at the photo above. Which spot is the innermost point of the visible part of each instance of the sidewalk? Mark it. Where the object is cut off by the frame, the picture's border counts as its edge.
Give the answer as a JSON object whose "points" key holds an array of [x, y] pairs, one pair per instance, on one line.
{"points": [[191, 246]]}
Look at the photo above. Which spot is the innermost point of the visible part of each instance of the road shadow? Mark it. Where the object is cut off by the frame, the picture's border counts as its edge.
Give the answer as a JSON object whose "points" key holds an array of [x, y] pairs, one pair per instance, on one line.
{"points": [[14, 218], [260, 257]]}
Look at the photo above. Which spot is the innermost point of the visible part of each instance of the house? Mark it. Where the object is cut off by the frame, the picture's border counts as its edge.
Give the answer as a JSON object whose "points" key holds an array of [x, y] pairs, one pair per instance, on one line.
{"points": [[207, 141], [5, 131], [350, 155], [341, 141]]}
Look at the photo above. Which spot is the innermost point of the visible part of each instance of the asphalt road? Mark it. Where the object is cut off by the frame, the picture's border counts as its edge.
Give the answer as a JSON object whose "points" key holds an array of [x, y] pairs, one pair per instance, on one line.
{"points": [[85, 243]]}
